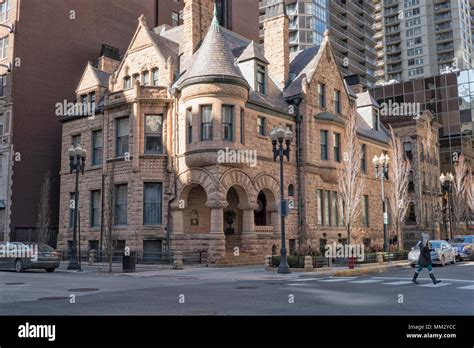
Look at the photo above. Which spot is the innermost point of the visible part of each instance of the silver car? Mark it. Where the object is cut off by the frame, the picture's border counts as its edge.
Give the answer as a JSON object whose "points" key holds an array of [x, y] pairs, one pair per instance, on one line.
{"points": [[443, 253], [21, 256]]}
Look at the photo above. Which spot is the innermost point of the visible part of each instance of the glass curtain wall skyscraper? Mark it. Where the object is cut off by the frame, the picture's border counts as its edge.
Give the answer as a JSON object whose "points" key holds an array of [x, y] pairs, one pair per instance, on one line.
{"points": [[350, 24]]}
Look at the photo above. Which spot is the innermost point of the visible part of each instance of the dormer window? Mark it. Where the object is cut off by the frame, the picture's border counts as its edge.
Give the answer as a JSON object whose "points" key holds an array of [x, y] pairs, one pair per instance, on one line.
{"points": [[322, 94], [261, 81], [84, 103], [92, 101], [154, 77], [127, 82], [145, 78], [376, 120], [337, 101]]}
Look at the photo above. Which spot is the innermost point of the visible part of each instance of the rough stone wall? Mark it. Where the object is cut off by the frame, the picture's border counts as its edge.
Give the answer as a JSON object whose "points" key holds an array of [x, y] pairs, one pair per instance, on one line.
{"points": [[276, 48]]}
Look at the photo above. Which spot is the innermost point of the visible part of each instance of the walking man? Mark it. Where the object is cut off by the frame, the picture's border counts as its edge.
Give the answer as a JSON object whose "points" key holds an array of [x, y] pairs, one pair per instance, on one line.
{"points": [[425, 259]]}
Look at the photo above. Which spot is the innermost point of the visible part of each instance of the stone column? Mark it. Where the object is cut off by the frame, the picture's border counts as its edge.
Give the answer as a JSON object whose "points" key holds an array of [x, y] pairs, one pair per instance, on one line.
{"points": [[249, 237], [276, 223], [216, 250]]}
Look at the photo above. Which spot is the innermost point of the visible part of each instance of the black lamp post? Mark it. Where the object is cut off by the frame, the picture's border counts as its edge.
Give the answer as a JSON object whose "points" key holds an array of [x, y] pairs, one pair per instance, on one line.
{"points": [[381, 169], [278, 136], [447, 187], [77, 159]]}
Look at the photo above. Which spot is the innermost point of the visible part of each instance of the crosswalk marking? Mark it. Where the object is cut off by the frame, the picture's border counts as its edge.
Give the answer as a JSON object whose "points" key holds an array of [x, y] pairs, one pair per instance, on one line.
{"points": [[468, 287], [304, 280], [402, 282], [466, 264], [366, 281], [431, 285], [331, 280]]}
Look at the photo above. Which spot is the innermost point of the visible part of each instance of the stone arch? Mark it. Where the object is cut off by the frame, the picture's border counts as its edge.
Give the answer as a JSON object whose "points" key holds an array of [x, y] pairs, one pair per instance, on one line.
{"points": [[269, 185], [191, 177], [241, 182]]}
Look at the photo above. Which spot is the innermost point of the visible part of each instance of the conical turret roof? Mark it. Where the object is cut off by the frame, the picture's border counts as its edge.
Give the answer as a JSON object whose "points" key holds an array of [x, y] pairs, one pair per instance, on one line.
{"points": [[213, 62]]}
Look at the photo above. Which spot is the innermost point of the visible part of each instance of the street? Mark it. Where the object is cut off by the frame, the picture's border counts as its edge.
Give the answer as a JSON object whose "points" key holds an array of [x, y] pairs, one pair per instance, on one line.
{"points": [[237, 291]]}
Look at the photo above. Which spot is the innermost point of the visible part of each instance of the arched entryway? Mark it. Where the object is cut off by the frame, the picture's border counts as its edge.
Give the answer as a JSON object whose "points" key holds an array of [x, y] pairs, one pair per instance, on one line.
{"points": [[233, 220], [266, 207], [196, 215]]}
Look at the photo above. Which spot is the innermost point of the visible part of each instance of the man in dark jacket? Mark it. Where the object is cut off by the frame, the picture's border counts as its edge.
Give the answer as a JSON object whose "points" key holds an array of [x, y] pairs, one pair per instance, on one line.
{"points": [[425, 259]]}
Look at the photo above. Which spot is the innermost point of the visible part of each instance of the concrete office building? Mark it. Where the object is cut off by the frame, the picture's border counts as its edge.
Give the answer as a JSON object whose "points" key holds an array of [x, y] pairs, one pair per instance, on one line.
{"points": [[419, 38], [351, 31]]}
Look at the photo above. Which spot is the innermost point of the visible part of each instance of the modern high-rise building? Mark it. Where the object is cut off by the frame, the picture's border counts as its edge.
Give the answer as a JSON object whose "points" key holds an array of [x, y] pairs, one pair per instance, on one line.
{"points": [[419, 38], [350, 24], [449, 98]]}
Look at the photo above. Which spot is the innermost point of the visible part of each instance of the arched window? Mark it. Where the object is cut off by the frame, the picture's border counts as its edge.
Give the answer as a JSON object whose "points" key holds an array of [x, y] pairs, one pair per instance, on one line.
{"points": [[291, 190], [411, 216], [411, 184]]}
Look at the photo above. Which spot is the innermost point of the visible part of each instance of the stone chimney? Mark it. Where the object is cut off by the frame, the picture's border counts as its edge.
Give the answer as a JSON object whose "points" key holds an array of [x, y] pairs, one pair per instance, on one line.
{"points": [[276, 45], [197, 17], [109, 60]]}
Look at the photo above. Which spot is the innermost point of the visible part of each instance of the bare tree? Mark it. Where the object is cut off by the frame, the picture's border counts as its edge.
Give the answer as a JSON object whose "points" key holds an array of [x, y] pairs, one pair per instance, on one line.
{"points": [[400, 172], [351, 185], [111, 235], [459, 192], [470, 192], [43, 226], [432, 213]]}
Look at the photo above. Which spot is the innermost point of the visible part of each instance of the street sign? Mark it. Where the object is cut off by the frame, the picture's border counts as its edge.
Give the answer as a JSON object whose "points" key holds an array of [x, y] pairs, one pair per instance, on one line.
{"points": [[291, 203]]}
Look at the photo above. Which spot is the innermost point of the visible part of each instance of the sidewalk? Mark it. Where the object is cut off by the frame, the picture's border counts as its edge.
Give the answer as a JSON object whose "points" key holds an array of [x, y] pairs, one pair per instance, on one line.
{"points": [[343, 271], [117, 267]]}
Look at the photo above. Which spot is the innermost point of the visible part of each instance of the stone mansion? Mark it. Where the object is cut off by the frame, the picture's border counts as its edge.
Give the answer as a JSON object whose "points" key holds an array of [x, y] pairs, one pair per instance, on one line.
{"points": [[175, 100]]}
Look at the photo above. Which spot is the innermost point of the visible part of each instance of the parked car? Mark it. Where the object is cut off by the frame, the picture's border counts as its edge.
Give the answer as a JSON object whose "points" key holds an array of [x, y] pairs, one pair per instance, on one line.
{"points": [[21, 256], [443, 253], [463, 246]]}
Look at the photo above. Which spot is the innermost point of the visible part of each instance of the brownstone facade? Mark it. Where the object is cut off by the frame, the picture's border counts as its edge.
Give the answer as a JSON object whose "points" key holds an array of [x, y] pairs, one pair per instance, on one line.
{"points": [[165, 127]]}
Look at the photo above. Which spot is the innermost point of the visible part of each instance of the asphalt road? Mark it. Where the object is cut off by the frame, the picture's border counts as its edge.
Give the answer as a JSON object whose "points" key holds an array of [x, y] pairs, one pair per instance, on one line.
{"points": [[237, 291]]}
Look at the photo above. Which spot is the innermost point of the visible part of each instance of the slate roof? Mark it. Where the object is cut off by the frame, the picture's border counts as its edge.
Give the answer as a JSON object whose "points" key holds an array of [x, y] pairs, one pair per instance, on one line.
{"points": [[367, 131], [329, 116], [103, 77], [252, 51], [302, 65], [213, 59]]}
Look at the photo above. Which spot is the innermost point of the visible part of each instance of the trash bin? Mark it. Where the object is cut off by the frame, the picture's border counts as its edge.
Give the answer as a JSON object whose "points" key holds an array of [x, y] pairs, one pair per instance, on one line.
{"points": [[129, 262]]}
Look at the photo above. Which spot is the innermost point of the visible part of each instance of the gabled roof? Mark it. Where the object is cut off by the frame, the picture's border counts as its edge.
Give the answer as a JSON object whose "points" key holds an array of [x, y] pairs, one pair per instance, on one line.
{"points": [[95, 76], [252, 51], [164, 47], [366, 99], [213, 61]]}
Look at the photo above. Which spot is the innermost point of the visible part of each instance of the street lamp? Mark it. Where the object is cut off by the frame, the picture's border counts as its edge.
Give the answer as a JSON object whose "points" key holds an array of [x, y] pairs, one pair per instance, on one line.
{"points": [[381, 169], [278, 136], [447, 187], [77, 159]]}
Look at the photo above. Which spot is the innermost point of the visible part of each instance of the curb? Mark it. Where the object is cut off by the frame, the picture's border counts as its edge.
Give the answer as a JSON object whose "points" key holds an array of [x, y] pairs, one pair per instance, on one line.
{"points": [[346, 272]]}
